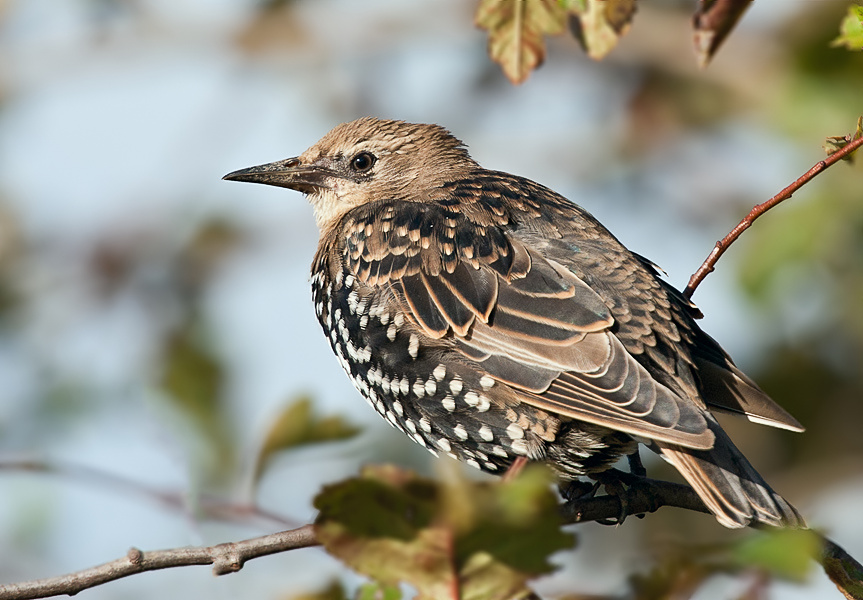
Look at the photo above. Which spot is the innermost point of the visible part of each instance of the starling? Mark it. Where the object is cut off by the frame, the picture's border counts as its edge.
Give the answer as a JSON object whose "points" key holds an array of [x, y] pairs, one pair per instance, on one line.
{"points": [[491, 319]]}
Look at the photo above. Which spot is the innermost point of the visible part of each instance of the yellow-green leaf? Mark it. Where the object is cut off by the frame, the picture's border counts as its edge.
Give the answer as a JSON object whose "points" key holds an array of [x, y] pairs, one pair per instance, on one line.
{"points": [[851, 29], [787, 553], [517, 30], [299, 425], [599, 24], [835, 143]]}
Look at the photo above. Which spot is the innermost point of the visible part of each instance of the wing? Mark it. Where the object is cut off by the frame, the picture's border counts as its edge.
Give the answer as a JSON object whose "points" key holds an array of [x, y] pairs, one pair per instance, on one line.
{"points": [[523, 319]]}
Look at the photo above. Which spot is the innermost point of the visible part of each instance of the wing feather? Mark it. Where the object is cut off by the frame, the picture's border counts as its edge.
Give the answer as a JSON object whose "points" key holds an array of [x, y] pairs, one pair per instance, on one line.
{"points": [[523, 319]]}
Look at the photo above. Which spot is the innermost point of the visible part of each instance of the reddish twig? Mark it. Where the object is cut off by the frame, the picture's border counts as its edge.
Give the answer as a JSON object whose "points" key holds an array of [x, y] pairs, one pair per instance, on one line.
{"points": [[721, 246]]}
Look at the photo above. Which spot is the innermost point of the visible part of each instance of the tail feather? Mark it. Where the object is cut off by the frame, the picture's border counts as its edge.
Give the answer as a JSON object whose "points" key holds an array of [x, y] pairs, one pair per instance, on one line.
{"points": [[729, 485]]}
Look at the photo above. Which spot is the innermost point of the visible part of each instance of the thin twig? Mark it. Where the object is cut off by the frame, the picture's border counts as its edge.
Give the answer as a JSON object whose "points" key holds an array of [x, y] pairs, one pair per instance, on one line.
{"points": [[225, 558], [721, 246], [204, 506]]}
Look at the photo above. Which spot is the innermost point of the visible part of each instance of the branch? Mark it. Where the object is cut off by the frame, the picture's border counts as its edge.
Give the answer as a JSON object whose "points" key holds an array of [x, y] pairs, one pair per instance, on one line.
{"points": [[649, 495], [721, 246], [225, 558]]}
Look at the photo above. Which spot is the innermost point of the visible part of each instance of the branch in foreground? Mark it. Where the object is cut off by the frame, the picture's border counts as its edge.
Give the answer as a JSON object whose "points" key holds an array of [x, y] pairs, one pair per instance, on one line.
{"points": [[647, 496], [721, 246], [225, 558]]}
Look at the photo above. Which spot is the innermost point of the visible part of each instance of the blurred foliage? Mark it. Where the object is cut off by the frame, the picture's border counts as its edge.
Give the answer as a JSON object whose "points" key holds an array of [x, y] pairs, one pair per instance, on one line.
{"points": [[367, 591], [452, 539], [851, 29], [517, 29], [598, 25], [713, 21], [837, 142], [681, 571], [194, 380], [298, 425]]}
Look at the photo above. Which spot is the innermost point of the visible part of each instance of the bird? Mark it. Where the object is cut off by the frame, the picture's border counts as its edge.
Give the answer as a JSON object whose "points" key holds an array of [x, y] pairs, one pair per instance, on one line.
{"points": [[493, 320]]}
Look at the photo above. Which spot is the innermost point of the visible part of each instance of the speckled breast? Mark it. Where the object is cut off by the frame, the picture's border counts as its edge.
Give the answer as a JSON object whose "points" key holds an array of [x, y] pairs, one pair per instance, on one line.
{"points": [[443, 404]]}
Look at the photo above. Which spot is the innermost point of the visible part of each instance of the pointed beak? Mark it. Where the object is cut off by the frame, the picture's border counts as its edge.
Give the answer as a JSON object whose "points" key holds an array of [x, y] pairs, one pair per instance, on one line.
{"points": [[290, 173]]}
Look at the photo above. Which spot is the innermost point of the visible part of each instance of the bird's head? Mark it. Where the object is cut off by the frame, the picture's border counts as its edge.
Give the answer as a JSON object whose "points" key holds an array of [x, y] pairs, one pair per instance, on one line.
{"points": [[364, 161]]}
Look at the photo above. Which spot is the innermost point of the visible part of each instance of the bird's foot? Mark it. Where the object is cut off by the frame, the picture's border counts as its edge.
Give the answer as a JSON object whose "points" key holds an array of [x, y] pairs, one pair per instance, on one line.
{"points": [[618, 483], [636, 467]]}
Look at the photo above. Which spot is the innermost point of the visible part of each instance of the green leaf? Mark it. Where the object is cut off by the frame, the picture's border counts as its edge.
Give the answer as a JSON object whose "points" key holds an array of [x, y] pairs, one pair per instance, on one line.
{"points": [[516, 31], [376, 591], [451, 540], [193, 380], [835, 143], [334, 591], [298, 425], [786, 553], [599, 24], [851, 30]]}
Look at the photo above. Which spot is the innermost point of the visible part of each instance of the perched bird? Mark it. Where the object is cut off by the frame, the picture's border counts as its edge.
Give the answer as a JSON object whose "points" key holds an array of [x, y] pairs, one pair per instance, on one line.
{"points": [[490, 318]]}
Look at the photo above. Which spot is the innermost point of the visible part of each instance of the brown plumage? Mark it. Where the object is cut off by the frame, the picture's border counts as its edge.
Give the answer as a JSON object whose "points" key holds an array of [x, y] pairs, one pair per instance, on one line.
{"points": [[489, 318]]}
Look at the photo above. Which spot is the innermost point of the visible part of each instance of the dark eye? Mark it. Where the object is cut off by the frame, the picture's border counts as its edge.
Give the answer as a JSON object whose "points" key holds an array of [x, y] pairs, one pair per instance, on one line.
{"points": [[362, 162]]}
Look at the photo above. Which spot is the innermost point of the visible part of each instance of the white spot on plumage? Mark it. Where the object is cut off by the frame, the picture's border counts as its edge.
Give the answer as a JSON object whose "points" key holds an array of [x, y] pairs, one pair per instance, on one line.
{"points": [[411, 426], [460, 432], [364, 321], [490, 466], [419, 388], [455, 386], [471, 398], [430, 387], [444, 445], [404, 386], [486, 433], [448, 403], [385, 317], [414, 345], [484, 404], [486, 382], [514, 431], [391, 417], [391, 332], [439, 372], [385, 384], [519, 447], [498, 450], [397, 406], [349, 280], [425, 424], [473, 463], [399, 319]]}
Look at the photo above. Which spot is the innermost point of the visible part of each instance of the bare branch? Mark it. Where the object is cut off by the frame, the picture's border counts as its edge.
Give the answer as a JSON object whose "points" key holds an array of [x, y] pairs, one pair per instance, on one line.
{"points": [[647, 495], [225, 558], [721, 246]]}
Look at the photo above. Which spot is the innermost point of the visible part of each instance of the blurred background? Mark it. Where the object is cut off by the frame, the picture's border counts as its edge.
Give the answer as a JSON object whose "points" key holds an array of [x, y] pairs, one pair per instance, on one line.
{"points": [[156, 329]]}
